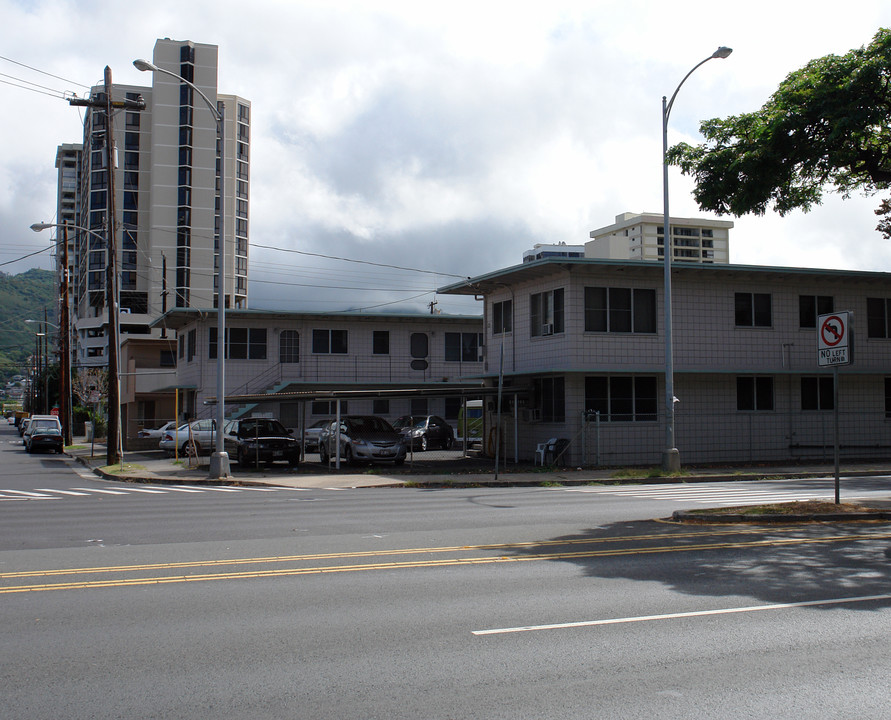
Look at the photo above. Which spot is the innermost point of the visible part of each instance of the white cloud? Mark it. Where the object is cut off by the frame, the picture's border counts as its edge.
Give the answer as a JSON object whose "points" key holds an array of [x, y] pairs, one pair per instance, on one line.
{"points": [[456, 134]]}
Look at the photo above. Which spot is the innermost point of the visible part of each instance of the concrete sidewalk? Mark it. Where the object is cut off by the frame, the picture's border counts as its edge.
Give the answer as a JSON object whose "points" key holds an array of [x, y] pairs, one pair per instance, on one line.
{"points": [[154, 467]]}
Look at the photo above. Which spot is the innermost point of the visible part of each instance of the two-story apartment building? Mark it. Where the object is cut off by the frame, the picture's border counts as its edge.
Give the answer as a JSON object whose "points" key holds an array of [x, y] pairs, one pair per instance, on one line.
{"points": [[585, 340], [291, 364]]}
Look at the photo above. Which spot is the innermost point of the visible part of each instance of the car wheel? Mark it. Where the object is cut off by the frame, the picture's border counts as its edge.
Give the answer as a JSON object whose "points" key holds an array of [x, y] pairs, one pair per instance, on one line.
{"points": [[190, 449], [448, 443], [348, 455], [400, 461], [242, 460], [424, 443], [323, 454]]}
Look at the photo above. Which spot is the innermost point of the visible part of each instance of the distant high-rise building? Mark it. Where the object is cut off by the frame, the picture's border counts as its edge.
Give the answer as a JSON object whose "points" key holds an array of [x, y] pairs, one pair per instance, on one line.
{"points": [[167, 199], [640, 236]]}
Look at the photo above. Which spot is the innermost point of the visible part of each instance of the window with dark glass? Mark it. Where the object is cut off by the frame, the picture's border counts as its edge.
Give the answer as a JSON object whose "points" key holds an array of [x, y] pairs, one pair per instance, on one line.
{"points": [[753, 309], [620, 310], [328, 342], [754, 393], [462, 347], [419, 345], [810, 307], [549, 396], [628, 398], [380, 342], [878, 314], [502, 317], [818, 393]]}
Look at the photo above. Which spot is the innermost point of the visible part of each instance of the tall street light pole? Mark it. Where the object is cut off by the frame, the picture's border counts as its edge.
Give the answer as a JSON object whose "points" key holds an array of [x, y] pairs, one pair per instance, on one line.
{"points": [[219, 460], [671, 459]]}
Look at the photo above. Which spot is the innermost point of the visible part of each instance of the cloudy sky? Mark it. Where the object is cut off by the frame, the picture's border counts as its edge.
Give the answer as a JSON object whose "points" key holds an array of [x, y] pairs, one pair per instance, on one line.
{"points": [[438, 137]]}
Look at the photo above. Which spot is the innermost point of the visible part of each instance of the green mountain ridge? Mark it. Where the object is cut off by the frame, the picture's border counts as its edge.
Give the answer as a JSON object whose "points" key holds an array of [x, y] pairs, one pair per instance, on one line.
{"points": [[24, 297]]}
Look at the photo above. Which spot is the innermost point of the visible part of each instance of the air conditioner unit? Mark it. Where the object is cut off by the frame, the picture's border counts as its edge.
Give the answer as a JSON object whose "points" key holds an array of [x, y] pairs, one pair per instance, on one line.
{"points": [[547, 329]]}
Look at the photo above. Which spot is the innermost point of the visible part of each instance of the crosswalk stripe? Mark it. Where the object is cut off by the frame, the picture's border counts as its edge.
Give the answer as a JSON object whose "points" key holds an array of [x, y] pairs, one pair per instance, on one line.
{"points": [[25, 493], [146, 490], [61, 492], [216, 488], [100, 490]]}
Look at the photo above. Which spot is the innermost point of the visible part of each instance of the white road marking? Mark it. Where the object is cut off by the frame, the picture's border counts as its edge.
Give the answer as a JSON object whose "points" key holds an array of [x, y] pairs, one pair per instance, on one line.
{"points": [[25, 493], [100, 490], [60, 492], [675, 616]]}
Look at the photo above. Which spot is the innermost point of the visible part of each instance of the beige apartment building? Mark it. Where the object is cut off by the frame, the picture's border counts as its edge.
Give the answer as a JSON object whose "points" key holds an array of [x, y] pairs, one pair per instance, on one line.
{"points": [[167, 197], [584, 347], [640, 236]]}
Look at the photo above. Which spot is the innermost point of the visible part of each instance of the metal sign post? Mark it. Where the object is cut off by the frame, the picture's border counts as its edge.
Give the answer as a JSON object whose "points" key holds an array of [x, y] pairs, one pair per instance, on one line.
{"points": [[835, 347]]}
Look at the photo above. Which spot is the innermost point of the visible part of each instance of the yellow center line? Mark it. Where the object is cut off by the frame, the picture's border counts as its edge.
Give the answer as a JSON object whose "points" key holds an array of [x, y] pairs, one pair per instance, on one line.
{"points": [[358, 554], [427, 563]]}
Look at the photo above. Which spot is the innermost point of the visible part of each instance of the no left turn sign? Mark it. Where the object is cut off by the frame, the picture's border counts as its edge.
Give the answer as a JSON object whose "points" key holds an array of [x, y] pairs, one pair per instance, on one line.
{"points": [[834, 339], [832, 331]]}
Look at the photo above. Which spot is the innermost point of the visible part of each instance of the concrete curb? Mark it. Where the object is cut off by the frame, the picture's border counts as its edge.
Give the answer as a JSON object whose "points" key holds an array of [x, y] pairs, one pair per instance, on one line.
{"points": [[775, 519]]}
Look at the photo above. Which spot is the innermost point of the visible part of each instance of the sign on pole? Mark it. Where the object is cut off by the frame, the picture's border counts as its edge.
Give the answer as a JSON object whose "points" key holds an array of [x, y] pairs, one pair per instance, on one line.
{"points": [[834, 346]]}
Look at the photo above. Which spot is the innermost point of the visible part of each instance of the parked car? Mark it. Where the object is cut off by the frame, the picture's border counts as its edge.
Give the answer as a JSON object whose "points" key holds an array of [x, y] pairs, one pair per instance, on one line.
{"points": [[425, 432], [156, 432], [362, 437], [23, 425], [199, 434], [44, 437], [312, 433], [253, 440]]}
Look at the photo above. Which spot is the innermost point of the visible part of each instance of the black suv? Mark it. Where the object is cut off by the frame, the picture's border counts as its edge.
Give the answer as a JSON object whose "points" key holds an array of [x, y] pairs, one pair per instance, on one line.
{"points": [[260, 440]]}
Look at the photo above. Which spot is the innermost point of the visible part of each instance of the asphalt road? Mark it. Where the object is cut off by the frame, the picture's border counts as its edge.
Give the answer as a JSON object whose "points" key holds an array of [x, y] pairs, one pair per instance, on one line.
{"points": [[409, 603]]}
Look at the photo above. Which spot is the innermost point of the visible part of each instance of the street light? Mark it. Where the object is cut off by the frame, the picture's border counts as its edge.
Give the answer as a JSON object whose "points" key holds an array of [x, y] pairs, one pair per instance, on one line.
{"points": [[219, 460], [671, 460]]}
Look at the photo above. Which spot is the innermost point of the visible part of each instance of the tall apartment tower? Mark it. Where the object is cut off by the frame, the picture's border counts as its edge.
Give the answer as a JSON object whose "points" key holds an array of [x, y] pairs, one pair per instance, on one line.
{"points": [[640, 236], [68, 166], [167, 200]]}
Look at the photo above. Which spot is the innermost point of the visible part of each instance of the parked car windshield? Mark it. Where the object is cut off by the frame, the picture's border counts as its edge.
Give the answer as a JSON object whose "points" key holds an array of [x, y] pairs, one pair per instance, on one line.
{"points": [[261, 426], [370, 424]]}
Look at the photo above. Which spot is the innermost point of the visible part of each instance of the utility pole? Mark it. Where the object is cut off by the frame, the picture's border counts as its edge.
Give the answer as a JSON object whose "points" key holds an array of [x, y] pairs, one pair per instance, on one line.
{"points": [[104, 101]]}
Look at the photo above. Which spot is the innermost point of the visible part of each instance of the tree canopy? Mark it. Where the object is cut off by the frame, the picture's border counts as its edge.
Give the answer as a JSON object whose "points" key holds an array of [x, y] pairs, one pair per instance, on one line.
{"points": [[826, 127]]}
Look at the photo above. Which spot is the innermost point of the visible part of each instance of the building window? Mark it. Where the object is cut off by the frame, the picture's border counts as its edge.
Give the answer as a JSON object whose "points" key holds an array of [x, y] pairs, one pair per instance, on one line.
{"points": [[818, 393], [243, 343], [502, 317], [247, 343], [548, 396], [462, 347], [289, 346], [420, 345], [546, 313], [810, 307], [329, 342], [620, 310], [753, 309], [380, 342], [168, 358], [622, 398], [878, 313], [754, 393], [191, 343], [380, 406], [328, 408]]}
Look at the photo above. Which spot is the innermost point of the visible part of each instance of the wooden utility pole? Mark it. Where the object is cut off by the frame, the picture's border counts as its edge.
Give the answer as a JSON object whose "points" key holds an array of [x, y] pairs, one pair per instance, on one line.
{"points": [[65, 348], [111, 284]]}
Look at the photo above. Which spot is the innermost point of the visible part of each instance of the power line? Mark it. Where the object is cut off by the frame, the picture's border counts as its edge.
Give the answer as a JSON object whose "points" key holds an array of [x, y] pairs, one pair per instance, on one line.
{"points": [[42, 72]]}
